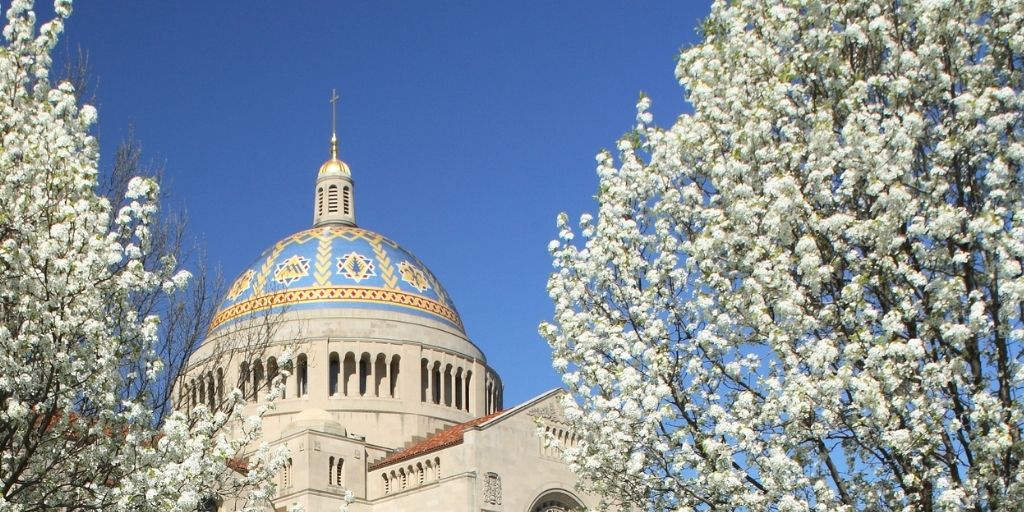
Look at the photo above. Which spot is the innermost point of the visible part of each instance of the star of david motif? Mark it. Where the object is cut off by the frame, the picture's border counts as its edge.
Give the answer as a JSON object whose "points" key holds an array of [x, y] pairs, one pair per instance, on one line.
{"points": [[291, 270], [356, 267], [241, 284], [414, 276]]}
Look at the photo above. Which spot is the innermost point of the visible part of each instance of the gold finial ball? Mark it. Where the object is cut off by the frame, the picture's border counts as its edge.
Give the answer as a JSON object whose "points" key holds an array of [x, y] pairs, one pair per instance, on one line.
{"points": [[335, 166]]}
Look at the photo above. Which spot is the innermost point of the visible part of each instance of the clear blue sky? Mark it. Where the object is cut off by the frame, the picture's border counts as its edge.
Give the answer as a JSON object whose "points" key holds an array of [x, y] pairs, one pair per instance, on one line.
{"points": [[468, 126]]}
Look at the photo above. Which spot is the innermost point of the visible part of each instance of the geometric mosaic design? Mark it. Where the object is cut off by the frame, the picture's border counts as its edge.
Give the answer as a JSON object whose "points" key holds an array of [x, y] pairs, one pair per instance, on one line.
{"points": [[291, 270], [241, 284], [342, 265], [355, 266], [414, 276]]}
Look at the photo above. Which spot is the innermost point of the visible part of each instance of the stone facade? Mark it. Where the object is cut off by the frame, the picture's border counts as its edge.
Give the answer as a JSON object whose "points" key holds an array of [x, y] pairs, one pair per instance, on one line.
{"points": [[388, 397]]}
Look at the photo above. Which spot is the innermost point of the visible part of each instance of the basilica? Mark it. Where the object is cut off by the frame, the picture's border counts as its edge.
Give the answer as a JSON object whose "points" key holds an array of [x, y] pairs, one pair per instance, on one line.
{"points": [[387, 398]]}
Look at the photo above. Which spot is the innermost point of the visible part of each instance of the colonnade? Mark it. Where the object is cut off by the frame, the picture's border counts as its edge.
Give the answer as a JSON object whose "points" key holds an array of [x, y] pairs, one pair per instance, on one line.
{"points": [[445, 379], [445, 384], [410, 476], [369, 375]]}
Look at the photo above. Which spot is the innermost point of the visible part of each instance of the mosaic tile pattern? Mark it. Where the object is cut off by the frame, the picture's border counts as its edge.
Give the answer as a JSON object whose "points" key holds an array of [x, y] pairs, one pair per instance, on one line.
{"points": [[336, 266]]}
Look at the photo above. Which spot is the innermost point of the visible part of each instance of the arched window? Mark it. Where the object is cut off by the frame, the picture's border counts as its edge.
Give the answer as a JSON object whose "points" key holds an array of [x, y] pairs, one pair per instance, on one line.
{"points": [[202, 390], [330, 472], [334, 369], [332, 199], [393, 375], [220, 385], [420, 473], [302, 376], [243, 379], [387, 483], [319, 201], [287, 474], [469, 378], [380, 370], [435, 383], [271, 372], [339, 472], [404, 478], [257, 380], [448, 385], [424, 380], [345, 200], [458, 389], [350, 374], [364, 373], [211, 392]]}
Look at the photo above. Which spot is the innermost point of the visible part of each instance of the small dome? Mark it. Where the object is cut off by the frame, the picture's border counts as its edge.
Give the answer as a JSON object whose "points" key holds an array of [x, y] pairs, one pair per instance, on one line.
{"points": [[337, 266], [314, 415], [335, 166], [316, 419]]}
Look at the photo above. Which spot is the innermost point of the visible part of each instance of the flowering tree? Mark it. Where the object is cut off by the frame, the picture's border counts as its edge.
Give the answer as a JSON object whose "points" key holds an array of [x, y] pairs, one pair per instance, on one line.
{"points": [[808, 293], [79, 365]]}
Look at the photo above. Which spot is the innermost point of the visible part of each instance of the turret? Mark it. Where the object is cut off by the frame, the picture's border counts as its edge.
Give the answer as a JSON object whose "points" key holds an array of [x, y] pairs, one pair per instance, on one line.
{"points": [[334, 197]]}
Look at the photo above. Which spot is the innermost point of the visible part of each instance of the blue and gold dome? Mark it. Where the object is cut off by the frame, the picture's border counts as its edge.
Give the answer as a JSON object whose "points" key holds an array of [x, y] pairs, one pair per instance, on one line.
{"points": [[337, 266]]}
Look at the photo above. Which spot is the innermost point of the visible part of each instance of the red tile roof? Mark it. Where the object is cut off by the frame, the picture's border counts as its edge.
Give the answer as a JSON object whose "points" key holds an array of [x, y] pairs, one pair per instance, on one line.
{"points": [[238, 465], [450, 436]]}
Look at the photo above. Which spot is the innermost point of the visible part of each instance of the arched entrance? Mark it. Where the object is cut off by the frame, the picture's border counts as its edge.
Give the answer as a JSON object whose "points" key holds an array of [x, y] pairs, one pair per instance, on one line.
{"points": [[556, 500]]}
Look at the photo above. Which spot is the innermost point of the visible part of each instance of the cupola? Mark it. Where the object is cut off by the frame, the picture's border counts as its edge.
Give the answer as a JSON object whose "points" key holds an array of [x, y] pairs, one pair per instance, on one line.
{"points": [[334, 197]]}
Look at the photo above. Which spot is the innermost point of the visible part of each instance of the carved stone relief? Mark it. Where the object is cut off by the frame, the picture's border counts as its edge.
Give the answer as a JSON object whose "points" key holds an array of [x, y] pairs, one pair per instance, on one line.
{"points": [[550, 412], [492, 489]]}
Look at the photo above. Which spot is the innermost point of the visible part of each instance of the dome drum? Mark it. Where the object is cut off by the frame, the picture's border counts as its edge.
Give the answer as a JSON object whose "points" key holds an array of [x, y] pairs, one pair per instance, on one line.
{"points": [[364, 383]]}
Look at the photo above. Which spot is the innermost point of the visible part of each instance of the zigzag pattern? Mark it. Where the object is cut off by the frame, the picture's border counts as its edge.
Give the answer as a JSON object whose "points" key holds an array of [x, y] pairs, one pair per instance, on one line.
{"points": [[323, 266], [261, 277], [386, 272]]}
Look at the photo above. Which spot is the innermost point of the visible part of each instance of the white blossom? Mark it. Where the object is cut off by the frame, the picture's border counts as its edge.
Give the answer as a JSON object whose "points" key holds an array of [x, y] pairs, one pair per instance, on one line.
{"points": [[76, 357], [807, 294]]}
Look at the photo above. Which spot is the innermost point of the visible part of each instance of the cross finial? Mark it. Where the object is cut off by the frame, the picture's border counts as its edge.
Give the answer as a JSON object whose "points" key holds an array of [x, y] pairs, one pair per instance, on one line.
{"points": [[334, 123]]}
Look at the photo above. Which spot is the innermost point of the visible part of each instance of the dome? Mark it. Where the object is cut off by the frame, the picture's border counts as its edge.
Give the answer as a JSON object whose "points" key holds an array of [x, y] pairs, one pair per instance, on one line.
{"points": [[335, 166], [337, 266], [315, 419]]}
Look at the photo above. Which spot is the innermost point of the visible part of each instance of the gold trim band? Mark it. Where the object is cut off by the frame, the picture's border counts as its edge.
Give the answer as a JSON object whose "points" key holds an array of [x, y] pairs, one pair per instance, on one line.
{"points": [[335, 294]]}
